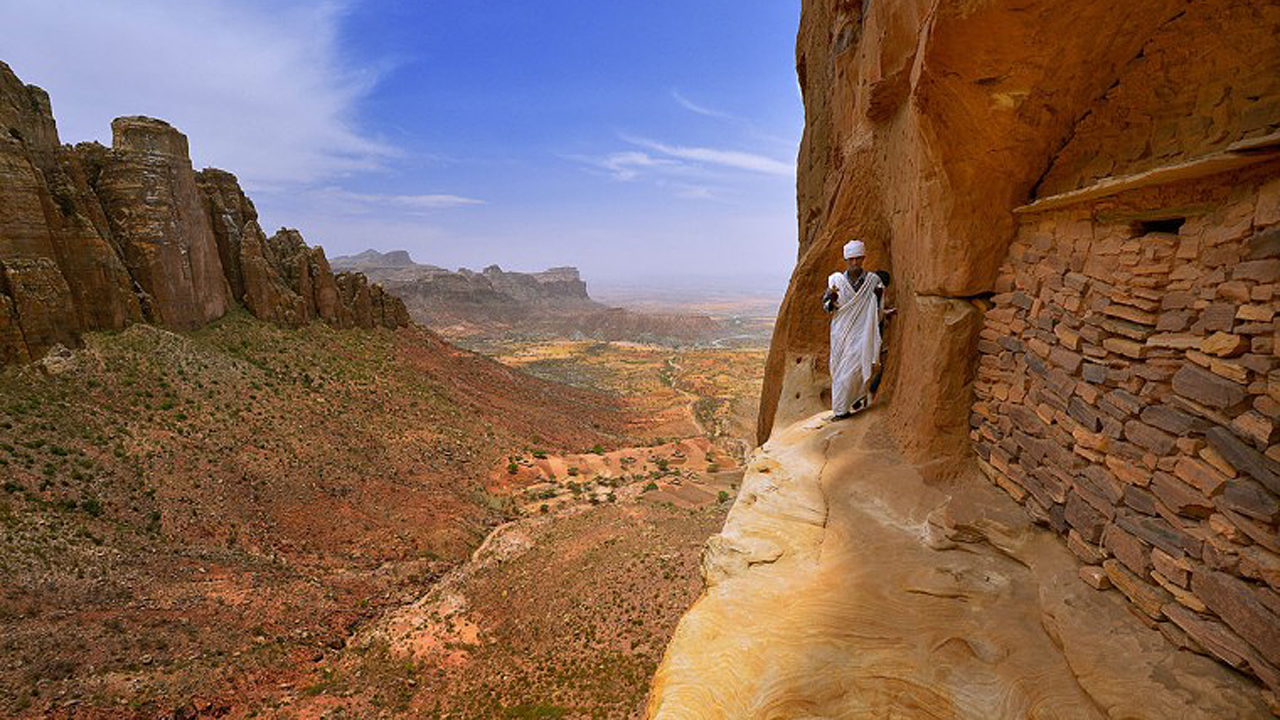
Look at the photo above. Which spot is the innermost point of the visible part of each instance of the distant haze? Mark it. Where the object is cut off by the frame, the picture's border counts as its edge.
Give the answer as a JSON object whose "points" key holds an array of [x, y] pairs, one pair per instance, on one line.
{"points": [[650, 141]]}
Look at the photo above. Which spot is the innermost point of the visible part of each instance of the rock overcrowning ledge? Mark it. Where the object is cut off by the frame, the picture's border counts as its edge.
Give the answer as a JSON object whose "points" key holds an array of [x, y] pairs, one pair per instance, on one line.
{"points": [[1121, 335], [95, 238]]}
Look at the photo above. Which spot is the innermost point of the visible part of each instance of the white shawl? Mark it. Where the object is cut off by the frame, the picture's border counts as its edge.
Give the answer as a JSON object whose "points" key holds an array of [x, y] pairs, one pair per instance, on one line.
{"points": [[855, 334]]}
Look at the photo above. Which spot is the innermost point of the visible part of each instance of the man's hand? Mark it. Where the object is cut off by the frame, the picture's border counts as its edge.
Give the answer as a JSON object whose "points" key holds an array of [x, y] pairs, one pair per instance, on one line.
{"points": [[829, 300]]}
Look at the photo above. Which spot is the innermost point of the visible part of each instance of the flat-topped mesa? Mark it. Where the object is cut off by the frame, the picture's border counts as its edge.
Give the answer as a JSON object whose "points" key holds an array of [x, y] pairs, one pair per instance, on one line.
{"points": [[145, 134], [95, 238]]}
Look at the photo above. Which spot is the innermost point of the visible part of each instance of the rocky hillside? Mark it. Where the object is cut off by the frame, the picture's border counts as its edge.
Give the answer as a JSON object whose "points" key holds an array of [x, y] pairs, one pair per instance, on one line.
{"points": [[1079, 207], [192, 522], [494, 301], [95, 238]]}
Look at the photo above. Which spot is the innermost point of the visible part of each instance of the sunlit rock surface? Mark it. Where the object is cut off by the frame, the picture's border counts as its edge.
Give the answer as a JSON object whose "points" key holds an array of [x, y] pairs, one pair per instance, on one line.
{"points": [[844, 585]]}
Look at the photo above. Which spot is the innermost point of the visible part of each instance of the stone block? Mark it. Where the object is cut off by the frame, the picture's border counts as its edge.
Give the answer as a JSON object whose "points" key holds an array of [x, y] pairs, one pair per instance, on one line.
{"points": [[1146, 436], [1175, 341], [1095, 577], [1027, 420], [1256, 427], [1218, 317], [1132, 314], [1126, 402], [1065, 359], [1140, 500], [1211, 456], [1200, 475], [1159, 533], [1249, 498], [1081, 516], [1243, 458], [1088, 553], [1214, 636], [1235, 602], [1127, 549], [1177, 300], [1265, 244], [1222, 525], [1236, 291], [1173, 321], [1148, 598], [1097, 374], [1131, 330], [1175, 568], [1255, 313], [1088, 417], [1255, 562], [1127, 471], [1180, 497], [1222, 344], [1125, 347], [1171, 419], [1207, 388], [1261, 533], [1230, 369], [1263, 271], [1181, 594]]}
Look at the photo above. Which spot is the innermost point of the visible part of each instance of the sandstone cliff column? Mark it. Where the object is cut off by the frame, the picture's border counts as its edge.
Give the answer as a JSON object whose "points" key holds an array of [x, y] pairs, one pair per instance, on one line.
{"points": [[152, 202], [252, 270]]}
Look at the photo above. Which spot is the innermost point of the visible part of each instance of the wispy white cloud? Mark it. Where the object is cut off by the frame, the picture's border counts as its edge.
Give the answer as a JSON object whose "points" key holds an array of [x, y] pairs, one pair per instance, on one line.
{"points": [[735, 159], [372, 202], [698, 109], [261, 89], [628, 165]]}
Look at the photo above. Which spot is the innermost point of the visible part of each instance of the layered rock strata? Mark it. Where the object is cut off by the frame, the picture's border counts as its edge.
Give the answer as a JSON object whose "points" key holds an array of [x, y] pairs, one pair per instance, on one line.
{"points": [[95, 238], [1078, 203]]}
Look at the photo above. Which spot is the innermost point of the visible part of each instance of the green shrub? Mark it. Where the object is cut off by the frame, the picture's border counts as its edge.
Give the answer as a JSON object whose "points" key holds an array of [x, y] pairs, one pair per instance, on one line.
{"points": [[722, 497]]}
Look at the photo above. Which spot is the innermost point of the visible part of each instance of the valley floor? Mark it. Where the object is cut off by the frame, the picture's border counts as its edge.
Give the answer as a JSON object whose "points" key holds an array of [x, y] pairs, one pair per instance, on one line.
{"points": [[248, 521]]}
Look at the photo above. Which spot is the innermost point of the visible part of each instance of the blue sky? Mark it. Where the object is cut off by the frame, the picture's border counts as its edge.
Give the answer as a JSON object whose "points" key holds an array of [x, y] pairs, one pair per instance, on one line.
{"points": [[631, 138]]}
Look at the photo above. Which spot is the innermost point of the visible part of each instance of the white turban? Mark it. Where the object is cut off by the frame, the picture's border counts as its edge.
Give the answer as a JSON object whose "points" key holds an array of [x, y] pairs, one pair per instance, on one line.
{"points": [[853, 249]]}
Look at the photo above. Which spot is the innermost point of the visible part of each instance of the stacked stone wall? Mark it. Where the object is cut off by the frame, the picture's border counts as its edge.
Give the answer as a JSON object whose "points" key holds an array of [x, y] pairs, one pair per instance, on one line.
{"points": [[1128, 395]]}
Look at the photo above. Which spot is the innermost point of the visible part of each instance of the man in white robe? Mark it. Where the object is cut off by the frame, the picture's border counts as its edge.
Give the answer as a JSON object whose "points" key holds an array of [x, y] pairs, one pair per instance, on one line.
{"points": [[854, 298]]}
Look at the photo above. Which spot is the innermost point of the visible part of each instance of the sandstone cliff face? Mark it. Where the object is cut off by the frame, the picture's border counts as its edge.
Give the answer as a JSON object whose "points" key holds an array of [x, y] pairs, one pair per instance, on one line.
{"points": [[1078, 203], [93, 238]]}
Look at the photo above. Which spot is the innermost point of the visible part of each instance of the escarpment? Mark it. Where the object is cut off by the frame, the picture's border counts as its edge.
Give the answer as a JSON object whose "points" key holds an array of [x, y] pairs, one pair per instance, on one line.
{"points": [[95, 238], [1080, 206]]}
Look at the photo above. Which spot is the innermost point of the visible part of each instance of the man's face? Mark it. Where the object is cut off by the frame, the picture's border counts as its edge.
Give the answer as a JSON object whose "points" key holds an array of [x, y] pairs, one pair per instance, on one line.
{"points": [[854, 264]]}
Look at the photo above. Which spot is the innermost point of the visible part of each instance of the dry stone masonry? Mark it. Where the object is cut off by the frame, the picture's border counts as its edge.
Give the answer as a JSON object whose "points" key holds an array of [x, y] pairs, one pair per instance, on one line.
{"points": [[95, 238], [1128, 394]]}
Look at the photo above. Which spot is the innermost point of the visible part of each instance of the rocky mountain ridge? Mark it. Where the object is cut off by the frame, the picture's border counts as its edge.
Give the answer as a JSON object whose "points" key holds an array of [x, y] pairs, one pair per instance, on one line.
{"points": [[558, 288], [96, 238], [496, 301]]}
